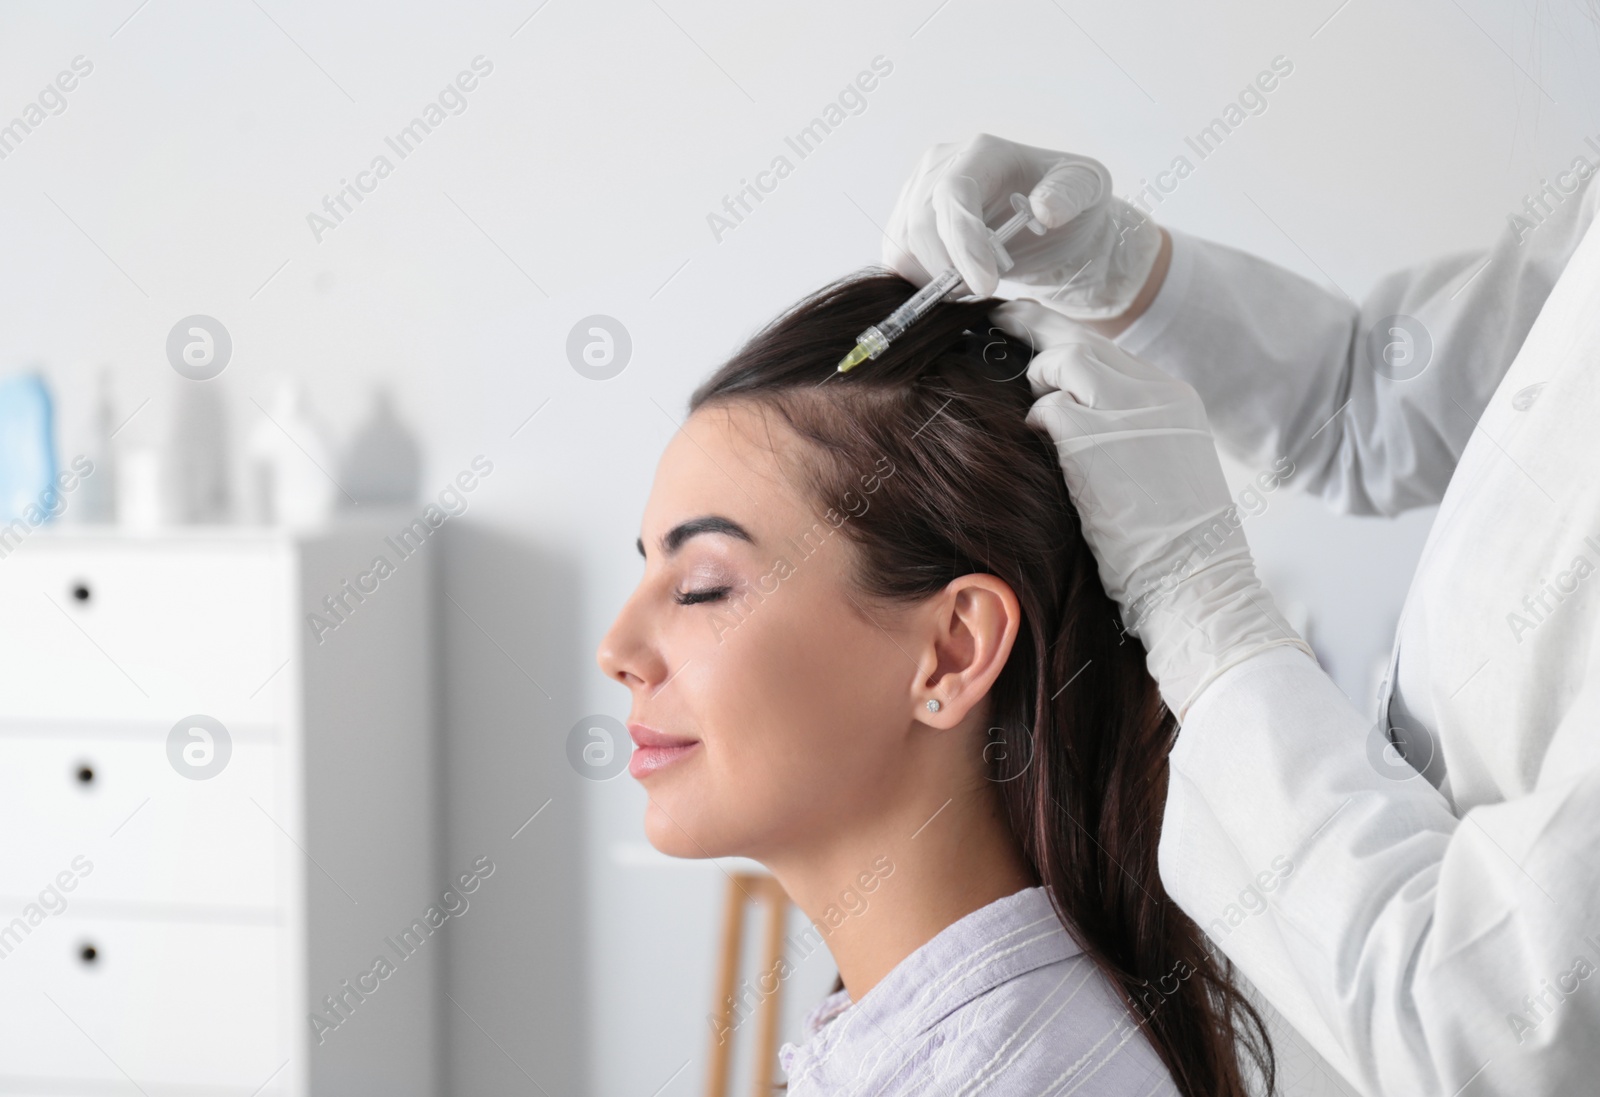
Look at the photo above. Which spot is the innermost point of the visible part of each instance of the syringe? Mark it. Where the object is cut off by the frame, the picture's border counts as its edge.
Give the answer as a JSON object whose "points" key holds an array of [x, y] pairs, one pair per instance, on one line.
{"points": [[876, 339]]}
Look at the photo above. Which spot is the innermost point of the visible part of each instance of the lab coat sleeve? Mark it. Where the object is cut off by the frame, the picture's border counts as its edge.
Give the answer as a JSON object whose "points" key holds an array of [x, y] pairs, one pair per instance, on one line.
{"points": [[1286, 368], [1417, 951]]}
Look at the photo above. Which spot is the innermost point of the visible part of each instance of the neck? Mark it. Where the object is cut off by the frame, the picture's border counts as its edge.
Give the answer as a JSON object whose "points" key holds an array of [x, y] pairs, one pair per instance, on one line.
{"points": [[884, 889]]}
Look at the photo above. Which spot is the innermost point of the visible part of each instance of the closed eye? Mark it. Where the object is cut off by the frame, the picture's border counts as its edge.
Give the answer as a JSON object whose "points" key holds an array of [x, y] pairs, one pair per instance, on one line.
{"points": [[695, 597]]}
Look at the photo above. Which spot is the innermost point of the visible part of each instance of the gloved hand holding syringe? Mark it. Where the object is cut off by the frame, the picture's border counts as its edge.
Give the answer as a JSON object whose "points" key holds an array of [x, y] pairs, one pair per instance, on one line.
{"points": [[876, 339]]}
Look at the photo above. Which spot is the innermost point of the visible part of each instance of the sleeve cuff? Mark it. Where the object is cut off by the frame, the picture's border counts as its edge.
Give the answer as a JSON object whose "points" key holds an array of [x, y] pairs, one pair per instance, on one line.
{"points": [[1169, 298], [1285, 654]]}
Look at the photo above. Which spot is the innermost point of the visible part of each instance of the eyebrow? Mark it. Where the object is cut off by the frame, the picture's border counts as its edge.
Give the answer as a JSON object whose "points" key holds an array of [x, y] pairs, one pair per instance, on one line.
{"points": [[674, 538]]}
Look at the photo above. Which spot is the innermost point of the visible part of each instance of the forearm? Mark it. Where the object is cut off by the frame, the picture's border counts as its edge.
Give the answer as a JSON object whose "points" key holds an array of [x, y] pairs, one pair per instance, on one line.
{"points": [[1290, 369], [1398, 938]]}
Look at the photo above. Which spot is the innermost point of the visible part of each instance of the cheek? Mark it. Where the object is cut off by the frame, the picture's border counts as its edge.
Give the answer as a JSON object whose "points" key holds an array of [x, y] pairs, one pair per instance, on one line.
{"points": [[792, 705]]}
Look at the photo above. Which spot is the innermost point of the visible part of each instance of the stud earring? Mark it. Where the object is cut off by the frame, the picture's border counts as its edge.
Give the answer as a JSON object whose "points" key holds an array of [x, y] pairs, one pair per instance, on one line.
{"points": [[933, 704]]}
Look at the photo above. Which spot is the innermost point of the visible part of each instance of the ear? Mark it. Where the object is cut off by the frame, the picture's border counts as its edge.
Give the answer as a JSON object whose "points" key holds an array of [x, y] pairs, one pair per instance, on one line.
{"points": [[970, 629]]}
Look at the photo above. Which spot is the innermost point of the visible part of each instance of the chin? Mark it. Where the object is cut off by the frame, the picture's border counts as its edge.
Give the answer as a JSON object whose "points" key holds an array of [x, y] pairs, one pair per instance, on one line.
{"points": [[668, 836], [685, 828]]}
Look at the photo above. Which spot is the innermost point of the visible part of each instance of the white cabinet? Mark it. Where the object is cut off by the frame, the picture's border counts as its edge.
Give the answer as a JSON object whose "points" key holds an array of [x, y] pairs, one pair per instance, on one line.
{"points": [[192, 1002], [173, 924], [65, 790]]}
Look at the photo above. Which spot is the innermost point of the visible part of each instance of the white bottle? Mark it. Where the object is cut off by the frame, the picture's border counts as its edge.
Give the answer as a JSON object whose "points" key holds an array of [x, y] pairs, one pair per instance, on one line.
{"points": [[383, 464], [197, 455], [287, 463], [97, 496], [142, 503]]}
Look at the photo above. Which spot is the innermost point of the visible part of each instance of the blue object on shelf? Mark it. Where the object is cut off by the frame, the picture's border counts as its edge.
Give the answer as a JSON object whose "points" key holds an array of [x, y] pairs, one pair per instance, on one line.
{"points": [[28, 488]]}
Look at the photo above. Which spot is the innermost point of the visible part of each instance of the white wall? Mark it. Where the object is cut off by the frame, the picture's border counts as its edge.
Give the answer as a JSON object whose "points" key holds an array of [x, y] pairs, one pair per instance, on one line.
{"points": [[578, 181]]}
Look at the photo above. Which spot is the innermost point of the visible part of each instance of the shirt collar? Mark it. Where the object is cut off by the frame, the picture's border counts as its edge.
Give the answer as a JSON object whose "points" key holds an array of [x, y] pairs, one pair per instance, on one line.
{"points": [[968, 958]]}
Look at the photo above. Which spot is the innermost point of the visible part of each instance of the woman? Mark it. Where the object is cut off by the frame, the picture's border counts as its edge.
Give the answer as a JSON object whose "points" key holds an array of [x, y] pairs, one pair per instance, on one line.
{"points": [[870, 650]]}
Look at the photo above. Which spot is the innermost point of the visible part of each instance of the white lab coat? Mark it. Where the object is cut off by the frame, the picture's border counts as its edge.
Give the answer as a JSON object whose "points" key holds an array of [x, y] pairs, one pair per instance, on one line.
{"points": [[1426, 940]]}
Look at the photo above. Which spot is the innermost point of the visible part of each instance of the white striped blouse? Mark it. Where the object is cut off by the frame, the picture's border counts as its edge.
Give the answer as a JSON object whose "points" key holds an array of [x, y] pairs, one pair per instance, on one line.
{"points": [[1000, 1003]]}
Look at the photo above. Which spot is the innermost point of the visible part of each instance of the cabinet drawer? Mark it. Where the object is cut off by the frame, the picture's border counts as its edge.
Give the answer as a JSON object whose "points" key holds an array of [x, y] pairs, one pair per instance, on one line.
{"points": [[150, 835], [115, 628], [161, 1003]]}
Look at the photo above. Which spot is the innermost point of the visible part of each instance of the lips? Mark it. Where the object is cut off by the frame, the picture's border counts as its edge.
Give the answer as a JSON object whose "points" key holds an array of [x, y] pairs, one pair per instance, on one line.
{"points": [[655, 750]]}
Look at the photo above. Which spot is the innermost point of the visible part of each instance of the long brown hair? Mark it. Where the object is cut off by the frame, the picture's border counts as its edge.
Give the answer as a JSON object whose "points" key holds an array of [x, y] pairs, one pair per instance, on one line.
{"points": [[1079, 735]]}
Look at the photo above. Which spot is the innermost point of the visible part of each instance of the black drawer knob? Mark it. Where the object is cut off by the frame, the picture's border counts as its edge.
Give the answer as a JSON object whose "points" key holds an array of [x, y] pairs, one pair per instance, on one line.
{"points": [[80, 591], [85, 774], [88, 953]]}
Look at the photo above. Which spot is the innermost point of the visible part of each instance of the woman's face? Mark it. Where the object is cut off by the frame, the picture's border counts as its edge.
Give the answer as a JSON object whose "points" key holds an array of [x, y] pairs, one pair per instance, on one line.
{"points": [[744, 639]]}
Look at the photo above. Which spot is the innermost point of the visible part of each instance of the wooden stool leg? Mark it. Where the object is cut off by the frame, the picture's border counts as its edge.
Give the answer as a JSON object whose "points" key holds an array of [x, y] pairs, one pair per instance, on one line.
{"points": [[766, 1052], [727, 972]]}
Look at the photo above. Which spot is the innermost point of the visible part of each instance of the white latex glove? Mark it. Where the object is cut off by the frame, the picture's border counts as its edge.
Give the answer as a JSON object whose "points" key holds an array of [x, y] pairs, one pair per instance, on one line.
{"points": [[1142, 468], [1098, 246]]}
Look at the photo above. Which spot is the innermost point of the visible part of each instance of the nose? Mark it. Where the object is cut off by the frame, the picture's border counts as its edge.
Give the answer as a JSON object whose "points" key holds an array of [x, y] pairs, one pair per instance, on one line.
{"points": [[624, 654]]}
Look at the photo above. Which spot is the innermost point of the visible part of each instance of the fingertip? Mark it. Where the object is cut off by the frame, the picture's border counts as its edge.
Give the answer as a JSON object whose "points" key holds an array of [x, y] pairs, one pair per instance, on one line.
{"points": [[1050, 207], [977, 271], [1012, 317], [1067, 189], [1052, 411]]}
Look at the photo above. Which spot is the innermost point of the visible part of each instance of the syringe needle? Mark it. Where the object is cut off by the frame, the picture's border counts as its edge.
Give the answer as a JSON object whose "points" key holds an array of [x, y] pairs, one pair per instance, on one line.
{"points": [[854, 358], [876, 339]]}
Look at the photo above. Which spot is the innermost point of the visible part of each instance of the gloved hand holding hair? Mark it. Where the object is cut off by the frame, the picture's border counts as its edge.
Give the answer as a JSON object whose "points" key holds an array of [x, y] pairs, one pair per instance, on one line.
{"points": [[1142, 468]]}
